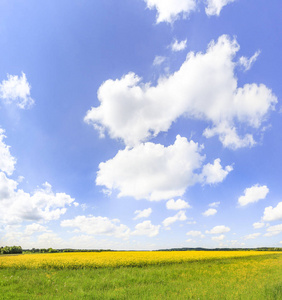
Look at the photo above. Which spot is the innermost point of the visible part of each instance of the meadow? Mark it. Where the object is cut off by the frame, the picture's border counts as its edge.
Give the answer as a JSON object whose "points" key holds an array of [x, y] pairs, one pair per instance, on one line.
{"points": [[143, 275]]}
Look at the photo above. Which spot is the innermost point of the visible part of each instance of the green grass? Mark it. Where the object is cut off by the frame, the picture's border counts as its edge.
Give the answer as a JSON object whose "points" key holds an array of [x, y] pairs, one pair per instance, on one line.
{"points": [[240, 278]]}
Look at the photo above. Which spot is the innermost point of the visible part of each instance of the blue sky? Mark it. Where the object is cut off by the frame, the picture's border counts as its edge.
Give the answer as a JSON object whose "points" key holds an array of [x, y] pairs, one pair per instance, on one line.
{"points": [[140, 124]]}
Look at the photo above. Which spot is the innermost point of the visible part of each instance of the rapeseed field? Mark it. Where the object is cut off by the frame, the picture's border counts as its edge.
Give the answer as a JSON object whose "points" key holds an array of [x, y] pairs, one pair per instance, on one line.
{"points": [[80, 260]]}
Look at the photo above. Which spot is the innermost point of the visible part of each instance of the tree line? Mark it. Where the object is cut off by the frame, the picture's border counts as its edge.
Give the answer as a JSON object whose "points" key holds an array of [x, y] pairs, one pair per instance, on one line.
{"points": [[11, 250]]}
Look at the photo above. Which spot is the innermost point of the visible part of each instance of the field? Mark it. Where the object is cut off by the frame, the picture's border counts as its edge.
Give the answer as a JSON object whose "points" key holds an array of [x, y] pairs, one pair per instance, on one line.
{"points": [[142, 275]]}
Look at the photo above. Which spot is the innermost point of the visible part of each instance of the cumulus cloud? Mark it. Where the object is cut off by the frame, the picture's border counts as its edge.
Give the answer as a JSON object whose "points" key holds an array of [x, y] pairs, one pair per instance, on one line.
{"points": [[16, 90], [214, 173], [152, 171], [42, 205], [258, 225], [218, 229], [142, 213], [210, 212], [7, 161], [195, 233], [252, 236], [155, 172], [146, 228], [204, 88], [273, 213], [247, 63], [180, 216], [178, 46], [35, 228], [98, 226], [170, 10], [218, 238], [16, 205], [253, 194], [177, 205], [274, 230], [214, 7]]}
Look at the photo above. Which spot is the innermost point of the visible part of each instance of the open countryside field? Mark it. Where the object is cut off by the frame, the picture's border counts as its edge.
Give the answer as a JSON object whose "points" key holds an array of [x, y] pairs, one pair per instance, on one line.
{"points": [[143, 275], [78, 260]]}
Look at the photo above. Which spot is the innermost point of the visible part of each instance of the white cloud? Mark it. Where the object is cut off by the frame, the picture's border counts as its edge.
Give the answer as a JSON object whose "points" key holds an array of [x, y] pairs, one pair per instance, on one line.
{"points": [[35, 228], [274, 230], [178, 46], [214, 7], [171, 10], [152, 171], [218, 229], [273, 213], [7, 161], [177, 205], [229, 137], [16, 90], [252, 236], [210, 212], [204, 88], [50, 240], [214, 204], [142, 213], [98, 226], [247, 63], [146, 228], [195, 233], [258, 225], [214, 173], [17, 205], [253, 194], [218, 238], [180, 216], [159, 60]]}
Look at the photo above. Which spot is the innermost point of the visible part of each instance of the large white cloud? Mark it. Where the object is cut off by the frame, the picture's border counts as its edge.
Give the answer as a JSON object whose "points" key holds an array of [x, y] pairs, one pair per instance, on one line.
{"points": [[98, 226], [17, 206], [7, 161], [146, 228], [204, 88], [16, 90], [253, 194], [170, 10], [214, 7], [153, 171], [273, 213]]}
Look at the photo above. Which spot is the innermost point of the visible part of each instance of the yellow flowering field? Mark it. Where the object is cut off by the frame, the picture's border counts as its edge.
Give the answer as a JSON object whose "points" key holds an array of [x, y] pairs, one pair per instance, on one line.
{"points": [[78, 260]]}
